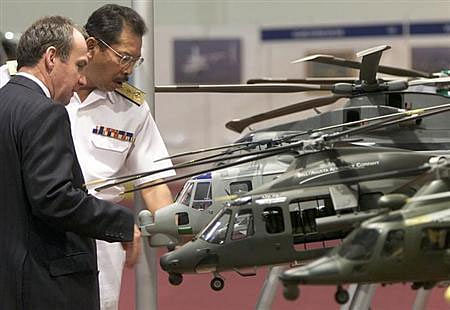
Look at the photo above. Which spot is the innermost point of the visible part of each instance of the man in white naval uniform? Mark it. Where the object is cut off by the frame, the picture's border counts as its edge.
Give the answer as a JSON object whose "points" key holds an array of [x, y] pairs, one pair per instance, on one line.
{"points": [[114, 135]]}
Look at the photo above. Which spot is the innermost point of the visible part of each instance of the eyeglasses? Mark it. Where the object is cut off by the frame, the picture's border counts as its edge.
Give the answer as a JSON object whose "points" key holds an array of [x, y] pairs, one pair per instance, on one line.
{"points": [[125, 60]]}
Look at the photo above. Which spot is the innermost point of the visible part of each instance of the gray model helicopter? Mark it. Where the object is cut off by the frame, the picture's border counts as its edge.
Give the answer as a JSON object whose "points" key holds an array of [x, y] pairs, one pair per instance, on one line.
{"points": [[203, 196], [320, 199], [408, 245], [367, 97]]}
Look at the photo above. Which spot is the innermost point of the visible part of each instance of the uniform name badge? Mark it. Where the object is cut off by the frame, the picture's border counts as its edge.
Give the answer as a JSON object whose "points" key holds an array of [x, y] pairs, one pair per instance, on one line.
{"points": [[121, 135]]}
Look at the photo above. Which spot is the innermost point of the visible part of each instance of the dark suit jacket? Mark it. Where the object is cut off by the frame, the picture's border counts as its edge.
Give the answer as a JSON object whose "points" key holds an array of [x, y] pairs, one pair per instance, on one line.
{"points": [[47, 256]]}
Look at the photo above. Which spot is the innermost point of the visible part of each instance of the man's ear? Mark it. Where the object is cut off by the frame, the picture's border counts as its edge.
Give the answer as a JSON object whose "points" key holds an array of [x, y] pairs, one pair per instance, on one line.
{"points": [[50, 58], [91, 43]]}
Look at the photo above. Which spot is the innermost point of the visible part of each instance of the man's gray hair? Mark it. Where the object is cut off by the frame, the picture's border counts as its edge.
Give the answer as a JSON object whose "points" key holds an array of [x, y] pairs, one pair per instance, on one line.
{"points": [[56, 31]]}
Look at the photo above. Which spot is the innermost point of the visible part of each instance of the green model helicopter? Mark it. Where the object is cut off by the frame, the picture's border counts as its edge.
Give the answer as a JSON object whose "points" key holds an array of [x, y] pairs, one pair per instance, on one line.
{"points": [[408, 245]]}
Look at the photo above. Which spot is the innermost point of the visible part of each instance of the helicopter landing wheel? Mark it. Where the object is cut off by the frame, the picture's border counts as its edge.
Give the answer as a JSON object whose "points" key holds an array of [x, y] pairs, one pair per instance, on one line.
{"points": [[291, 292], [175, 278], [341, 296], [217, 284]]}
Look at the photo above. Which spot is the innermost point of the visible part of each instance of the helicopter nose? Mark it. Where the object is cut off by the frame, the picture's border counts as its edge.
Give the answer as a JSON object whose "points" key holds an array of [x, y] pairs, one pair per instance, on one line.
{"points": [[321, 271], [168, 263], [295, 275]]}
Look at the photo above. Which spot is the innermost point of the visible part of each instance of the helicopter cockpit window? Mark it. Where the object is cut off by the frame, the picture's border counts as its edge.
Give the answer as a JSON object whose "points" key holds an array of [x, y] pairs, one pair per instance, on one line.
{"points": [[394, 244], [359, 245], [273, 217], [216, 231], [185, 195], [243, 225], [202, 198], [435, 239], [240, 187]]}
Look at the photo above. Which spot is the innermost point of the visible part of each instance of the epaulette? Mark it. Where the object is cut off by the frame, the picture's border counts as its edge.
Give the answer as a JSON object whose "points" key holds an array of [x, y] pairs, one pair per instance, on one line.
{"points": [[132, 93], [12, 67]]}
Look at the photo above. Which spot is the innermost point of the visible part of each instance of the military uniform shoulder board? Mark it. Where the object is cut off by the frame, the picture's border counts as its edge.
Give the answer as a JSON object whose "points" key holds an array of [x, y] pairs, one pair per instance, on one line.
{"points": [[12, 67], [132, 93]]}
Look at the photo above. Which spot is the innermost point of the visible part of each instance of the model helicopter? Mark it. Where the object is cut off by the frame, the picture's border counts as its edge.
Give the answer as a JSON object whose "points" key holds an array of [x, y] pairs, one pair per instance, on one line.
{"points": [[203, 196], [197, 204], [327, 174], [366, 97], [408, 245], [322, 199]]}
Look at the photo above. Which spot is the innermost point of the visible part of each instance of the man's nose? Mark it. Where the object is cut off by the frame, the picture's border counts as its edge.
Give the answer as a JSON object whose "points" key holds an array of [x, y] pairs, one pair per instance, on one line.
{"points": [[82, 81], [127, 70]]}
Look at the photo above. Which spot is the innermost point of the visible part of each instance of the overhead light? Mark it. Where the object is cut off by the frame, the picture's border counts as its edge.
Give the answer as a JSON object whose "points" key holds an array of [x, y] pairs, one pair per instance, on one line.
{"points": [[9, 35]]}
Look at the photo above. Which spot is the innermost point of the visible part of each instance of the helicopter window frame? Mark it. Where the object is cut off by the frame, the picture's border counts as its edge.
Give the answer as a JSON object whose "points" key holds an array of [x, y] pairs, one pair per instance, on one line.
{"points": [[244, 228], [394, 244], [274, 220], [235, 187], [304, 213], [360, 244], [206, 202], [186, 194], [441, 238], [217, 230], [182, 218]]}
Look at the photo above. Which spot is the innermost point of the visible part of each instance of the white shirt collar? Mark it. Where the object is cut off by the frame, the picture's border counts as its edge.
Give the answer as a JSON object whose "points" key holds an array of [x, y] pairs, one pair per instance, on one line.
{"points": [[37, 81], [94, 96]]}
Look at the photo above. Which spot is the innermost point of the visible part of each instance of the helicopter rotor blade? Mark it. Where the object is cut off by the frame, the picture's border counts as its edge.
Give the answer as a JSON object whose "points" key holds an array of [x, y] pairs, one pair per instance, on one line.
{"points": [[331, 60], [241, 124], [439, 80], [278, 152], [202, 161], [321, 80], [241, 88], [370, 63], [216, 148], [395, 119], [383, 121]]}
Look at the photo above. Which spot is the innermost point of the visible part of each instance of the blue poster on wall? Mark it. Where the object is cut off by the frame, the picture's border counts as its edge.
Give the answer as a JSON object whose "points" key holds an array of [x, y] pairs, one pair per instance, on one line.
{"points": [[207, 61]]}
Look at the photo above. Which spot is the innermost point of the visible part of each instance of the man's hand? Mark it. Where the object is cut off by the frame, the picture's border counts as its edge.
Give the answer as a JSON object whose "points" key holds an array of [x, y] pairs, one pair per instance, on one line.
{"points": [[133, 248]]}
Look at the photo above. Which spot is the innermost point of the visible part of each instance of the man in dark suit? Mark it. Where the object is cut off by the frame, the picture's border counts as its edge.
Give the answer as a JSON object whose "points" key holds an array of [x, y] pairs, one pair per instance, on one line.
{"points": [[48, 259]]}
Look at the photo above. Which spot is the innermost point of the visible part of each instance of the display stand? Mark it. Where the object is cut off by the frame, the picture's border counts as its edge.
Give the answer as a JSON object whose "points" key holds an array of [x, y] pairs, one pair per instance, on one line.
{"points": [[421, 299], [269, 288], [360, 296]]}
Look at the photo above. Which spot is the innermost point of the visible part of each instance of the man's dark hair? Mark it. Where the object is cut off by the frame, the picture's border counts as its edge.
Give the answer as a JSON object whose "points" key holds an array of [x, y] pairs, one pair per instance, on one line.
{"points": [[107, 23], [56, 31]]}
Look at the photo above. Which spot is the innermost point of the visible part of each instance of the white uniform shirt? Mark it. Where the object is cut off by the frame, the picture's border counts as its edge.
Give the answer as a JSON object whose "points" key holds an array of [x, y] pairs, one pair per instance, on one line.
{"points": [[133, 144], [4, 75]]}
